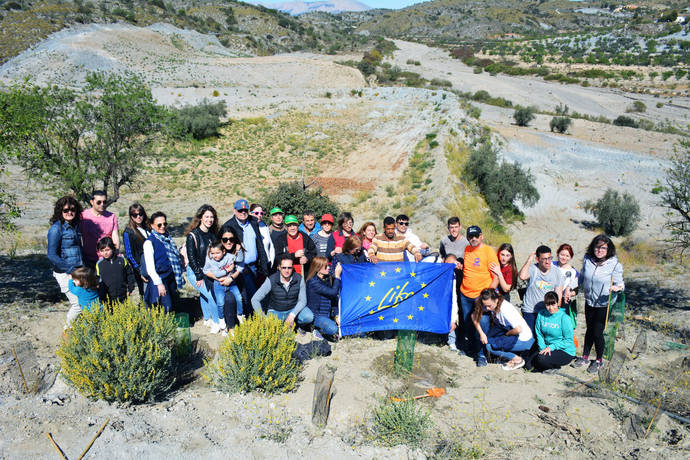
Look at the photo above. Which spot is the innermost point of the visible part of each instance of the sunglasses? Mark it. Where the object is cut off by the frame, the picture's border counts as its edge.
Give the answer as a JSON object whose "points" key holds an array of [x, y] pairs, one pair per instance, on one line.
{"points": [[226, 240], [404, 223], [70, 209], [163, 225], [601, 248], [258, 213], [243, 210], [286, 268], [99, 201], [137, 214]]}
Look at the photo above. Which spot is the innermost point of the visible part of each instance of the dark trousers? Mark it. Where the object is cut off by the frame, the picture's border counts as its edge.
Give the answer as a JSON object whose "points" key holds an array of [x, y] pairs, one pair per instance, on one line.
{"points": [[249, 288], [555, 360], [530, 319], [139, 281], [230, 311], [595, 318]]}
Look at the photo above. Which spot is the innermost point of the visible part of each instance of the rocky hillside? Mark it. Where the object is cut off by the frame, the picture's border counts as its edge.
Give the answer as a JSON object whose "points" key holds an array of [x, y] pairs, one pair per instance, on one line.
{"points": [[245, 28], [329, 6], [454, 21]]}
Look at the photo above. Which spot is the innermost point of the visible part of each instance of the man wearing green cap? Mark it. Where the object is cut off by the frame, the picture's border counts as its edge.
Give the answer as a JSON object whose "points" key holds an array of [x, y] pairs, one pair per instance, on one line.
{"points": [[277, 215], [295, 245]]}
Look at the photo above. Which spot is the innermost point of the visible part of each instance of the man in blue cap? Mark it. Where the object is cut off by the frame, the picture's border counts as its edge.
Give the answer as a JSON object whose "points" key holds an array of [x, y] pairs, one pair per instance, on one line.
{"points": [[246, 228]]}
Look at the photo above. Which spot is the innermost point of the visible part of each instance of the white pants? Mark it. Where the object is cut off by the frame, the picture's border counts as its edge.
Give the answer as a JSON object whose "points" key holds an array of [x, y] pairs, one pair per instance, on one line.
{"points": [[74, 308]]}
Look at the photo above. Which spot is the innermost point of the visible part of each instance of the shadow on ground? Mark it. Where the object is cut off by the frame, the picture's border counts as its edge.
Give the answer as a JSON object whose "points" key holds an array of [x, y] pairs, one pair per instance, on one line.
{"points": [[643, 295], [27, 279]]}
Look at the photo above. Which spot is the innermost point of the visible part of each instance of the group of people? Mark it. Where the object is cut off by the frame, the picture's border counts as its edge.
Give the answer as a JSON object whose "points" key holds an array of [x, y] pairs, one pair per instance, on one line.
{"points": [[277, 265]]}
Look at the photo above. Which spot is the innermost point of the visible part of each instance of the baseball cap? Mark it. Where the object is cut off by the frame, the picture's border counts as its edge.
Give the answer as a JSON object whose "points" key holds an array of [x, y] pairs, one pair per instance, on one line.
{"points": [[327, 218], [241, 204], [473, 230], [276, 210], [290, 219]]}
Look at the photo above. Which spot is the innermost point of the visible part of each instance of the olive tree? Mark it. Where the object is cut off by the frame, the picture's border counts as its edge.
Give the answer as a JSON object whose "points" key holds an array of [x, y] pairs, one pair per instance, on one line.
{"points": [[97, 137], [676, 198]]}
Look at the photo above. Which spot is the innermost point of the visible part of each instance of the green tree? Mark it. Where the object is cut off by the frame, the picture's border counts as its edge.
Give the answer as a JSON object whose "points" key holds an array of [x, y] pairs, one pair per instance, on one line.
{"points": [[676, 198], [523, 116], [560, 124], [95, 138], [617, 213], [293, 198]]}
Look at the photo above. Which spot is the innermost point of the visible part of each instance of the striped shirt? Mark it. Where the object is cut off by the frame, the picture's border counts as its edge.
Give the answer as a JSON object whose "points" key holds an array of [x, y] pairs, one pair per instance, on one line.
{"points": [[392, 250]]}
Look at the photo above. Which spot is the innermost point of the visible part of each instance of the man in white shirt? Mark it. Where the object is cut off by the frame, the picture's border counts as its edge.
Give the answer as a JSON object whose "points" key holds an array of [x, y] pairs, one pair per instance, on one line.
{"points": [[402, 227]]}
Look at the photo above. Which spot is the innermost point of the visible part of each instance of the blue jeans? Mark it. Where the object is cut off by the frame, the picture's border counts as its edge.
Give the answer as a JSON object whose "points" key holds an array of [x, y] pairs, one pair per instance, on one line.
{"points": [[219, 291], [305, 316], [530, 318], [325, 325], [520, 345], [485, 324], [208, 306], [469, 342]]}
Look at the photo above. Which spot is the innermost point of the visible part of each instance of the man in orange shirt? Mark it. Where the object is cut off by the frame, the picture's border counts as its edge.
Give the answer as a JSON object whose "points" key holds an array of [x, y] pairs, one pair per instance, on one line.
{"points": [[476, 277]]}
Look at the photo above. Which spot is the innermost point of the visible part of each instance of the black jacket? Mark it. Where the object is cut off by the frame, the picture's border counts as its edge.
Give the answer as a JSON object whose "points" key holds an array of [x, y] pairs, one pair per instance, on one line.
{"points": [[281, 245], [197, 244], [134, 247], [236, 229], [116, 278]]}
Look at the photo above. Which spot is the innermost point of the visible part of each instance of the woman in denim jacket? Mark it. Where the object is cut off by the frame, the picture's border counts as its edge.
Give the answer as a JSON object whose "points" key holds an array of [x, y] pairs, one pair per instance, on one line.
{"points": [[65, 248]]}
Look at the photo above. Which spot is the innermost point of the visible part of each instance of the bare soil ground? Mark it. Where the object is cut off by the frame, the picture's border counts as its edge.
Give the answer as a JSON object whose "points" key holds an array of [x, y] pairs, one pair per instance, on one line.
{"points": [[367, 144]]}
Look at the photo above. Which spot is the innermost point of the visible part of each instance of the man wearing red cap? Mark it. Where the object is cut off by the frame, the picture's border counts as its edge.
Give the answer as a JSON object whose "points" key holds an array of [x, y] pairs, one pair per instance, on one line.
{"points": [[320, 238]]}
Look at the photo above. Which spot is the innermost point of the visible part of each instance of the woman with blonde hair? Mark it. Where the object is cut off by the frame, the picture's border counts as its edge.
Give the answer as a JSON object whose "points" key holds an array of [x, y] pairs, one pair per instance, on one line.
{"points": [[367, 233], [322, 296]]}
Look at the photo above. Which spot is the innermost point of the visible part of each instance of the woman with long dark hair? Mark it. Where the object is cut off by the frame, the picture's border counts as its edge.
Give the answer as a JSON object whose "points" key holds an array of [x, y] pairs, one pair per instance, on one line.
{"points": [[65, 248], [200, 233], [337, 238], [322, 296], [133, 238], [601, 276]]}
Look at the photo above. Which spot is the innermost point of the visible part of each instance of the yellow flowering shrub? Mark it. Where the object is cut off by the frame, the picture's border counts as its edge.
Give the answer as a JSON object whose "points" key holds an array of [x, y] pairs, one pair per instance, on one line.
{"points": [[259, 357], [121, 351]]}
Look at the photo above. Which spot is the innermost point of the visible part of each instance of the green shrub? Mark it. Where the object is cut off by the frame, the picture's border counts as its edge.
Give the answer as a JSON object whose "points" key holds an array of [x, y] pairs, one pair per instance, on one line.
{"points": [[259, 357], [637, 106], [120, 352], [292, 198], [502, 185], [199, 121], [441, 83], [622, 120], [560, 124], [523, 116], [404, 422], [617, 214]]}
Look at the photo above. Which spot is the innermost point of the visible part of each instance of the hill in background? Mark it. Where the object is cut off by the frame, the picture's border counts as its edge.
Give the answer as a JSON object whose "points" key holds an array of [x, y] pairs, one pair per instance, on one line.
{"points": [[329, 6]]}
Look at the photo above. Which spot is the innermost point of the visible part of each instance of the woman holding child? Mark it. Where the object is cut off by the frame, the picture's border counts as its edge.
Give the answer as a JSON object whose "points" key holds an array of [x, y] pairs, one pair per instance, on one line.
{"points": [[200, 233]]}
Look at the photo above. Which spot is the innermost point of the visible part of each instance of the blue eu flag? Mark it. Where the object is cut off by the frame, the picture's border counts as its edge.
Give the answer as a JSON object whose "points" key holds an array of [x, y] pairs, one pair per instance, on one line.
{"points": [[396, 295]]}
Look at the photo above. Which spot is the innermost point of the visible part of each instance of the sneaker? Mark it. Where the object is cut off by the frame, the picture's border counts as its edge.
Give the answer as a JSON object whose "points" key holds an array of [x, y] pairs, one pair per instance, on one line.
{"points": [[462, 353], [594, 367], [453, 347], [240, 319], [215, 328], [207, 323], [511, 366], [222, 324], [580, 362], [317, 335], [224, 333], [481, 362]]}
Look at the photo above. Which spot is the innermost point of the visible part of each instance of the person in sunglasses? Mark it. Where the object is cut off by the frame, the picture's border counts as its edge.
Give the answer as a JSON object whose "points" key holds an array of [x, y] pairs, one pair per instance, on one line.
{"points": [[96, 223], [257, 211], [163, 265], [65, 249], [246, 228], [133, 238], [402, 227]]}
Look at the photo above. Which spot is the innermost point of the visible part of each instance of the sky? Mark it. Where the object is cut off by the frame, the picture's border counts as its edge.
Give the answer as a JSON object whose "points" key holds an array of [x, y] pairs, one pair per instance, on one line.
{"points": [[393, 4]]}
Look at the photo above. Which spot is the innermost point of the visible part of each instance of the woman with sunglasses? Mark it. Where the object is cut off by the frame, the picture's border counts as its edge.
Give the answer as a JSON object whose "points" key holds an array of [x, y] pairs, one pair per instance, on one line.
{"points": [[163, 265], [200, 233], [258, 212], [65, 248], [133, 238]]}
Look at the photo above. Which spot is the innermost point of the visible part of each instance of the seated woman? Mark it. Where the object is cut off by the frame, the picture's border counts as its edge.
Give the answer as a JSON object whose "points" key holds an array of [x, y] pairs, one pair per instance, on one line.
{"points": [[509, 333], [352, 253], [322, 296], [554, 331]]}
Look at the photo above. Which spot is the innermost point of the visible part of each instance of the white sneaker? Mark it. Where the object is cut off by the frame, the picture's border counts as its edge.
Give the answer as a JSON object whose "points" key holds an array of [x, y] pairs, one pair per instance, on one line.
{"points": [[215, 328], [224, 333], [207, 323], [240, 318], [223, 326]]}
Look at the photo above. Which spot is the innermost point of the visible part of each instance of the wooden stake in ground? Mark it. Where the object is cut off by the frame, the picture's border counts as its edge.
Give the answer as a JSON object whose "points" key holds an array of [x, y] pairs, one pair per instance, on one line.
{"points": [[649, 427], [93, 440], [62, 454], [321, 405], [26, 387]]}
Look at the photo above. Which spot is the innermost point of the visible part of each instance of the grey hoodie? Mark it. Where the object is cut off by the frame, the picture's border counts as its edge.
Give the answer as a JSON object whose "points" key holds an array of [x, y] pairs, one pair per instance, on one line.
{"points": [[595, 280]]}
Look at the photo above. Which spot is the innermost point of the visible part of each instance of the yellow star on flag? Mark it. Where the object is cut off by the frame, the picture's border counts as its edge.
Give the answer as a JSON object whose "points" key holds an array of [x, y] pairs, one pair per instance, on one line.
{"points": [[381, 317], [426, 296], [409, 316], [383, 273], [371, 283], [367, 298], [397, 270], [395, 320], [421, 308], [413, 274], [423, 284]]}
